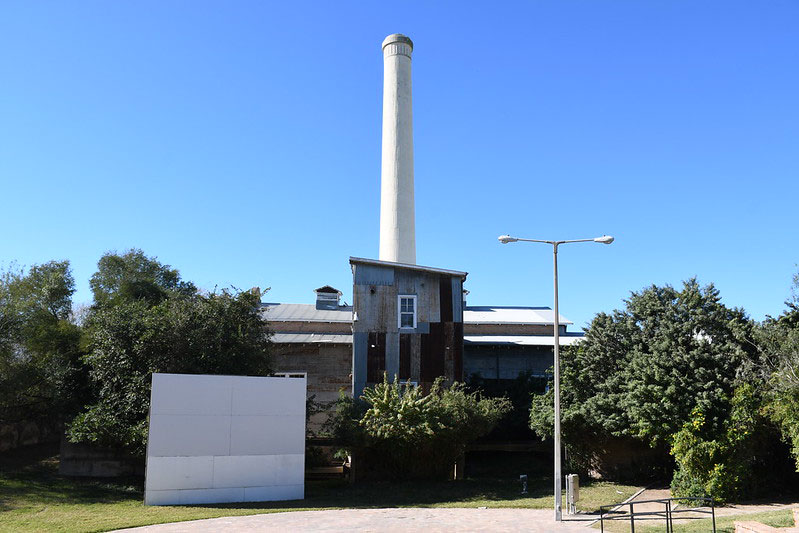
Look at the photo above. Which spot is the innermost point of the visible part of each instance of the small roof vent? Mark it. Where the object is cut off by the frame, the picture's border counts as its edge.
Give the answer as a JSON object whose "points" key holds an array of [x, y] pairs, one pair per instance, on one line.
{"points": [[327, 297]]}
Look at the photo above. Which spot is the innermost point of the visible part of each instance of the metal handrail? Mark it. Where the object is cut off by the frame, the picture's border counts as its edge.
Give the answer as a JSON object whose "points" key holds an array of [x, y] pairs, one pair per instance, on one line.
{"points": [[668, 512]]}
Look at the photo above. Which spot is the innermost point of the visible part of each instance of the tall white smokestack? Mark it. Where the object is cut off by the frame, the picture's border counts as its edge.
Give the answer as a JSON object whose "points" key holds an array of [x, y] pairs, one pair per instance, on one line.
{"points": [[397, 214]]}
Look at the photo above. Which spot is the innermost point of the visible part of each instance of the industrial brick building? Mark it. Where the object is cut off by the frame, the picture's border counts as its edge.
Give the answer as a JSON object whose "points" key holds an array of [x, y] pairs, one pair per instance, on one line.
{"points": [[494, 343]]}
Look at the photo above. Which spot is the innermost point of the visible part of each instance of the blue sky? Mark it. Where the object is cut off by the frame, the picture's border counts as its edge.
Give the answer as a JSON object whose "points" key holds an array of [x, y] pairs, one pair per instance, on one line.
{"points": [[240, 142]]}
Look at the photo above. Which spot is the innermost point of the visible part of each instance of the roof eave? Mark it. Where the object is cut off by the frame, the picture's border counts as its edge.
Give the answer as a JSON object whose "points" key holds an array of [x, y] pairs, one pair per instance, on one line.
{"points": [[433, 270]]}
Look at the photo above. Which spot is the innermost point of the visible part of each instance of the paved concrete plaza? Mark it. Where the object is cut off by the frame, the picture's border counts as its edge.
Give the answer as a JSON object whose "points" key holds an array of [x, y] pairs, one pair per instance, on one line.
{"points": [[413, 519]]}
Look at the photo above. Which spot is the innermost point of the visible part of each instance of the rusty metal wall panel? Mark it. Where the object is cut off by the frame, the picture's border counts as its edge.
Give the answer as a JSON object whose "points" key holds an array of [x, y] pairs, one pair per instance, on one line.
{"points": [[432, 353], [375, 357], [405, 357], [416, 349], [373, 275], [360, 345], [445, 298], [458, 352], [449, 352], [392, 354], [457, 299], [434, 349]]}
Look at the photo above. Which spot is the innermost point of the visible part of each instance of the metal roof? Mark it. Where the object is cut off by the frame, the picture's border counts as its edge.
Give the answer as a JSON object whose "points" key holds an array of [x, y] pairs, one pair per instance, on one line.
{"points": [[302, 338], [518, 340], [523, 340], [511, 315], [434, 270], [276, 312], [328, 289]]}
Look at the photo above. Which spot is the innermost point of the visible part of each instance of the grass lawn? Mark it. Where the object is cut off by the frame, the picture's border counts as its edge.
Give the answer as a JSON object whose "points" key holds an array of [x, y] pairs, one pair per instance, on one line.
{"points": [[34, 498], [724, 524]]}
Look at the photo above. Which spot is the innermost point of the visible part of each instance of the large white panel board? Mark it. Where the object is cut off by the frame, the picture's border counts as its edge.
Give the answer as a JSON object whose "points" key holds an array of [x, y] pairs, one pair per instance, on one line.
{"points": [[220, 439]]}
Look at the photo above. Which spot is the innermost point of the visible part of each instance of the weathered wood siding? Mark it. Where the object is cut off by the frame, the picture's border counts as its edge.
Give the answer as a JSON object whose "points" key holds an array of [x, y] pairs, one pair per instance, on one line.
{"points": [[434, 348]]}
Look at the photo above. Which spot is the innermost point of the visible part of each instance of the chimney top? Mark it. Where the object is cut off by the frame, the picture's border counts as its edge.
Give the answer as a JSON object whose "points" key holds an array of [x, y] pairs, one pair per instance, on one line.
{"points": [[397, 38]]}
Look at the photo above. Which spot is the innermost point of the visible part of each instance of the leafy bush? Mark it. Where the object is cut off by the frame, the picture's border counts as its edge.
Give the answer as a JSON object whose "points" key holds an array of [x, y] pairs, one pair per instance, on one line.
{"points": [[783, 409], [778, 340], [405, 433], [726, 463], [520, 391]]}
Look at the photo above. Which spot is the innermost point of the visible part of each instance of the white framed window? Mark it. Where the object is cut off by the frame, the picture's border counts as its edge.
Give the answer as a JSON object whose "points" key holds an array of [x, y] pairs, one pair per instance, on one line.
{"points": [[406, 315]]}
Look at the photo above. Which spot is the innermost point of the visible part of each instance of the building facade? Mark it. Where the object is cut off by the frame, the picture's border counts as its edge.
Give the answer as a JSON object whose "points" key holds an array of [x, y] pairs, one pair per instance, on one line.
{"points": [[344, 348], [407, 323]]}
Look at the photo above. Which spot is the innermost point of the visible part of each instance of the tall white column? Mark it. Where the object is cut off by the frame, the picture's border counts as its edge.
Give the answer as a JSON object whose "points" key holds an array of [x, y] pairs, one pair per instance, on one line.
{"points": [[397, 213]]}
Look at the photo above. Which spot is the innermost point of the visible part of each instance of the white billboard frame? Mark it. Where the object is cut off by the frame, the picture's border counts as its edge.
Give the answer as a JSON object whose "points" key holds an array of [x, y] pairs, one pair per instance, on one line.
{"points": [[225, 439]]}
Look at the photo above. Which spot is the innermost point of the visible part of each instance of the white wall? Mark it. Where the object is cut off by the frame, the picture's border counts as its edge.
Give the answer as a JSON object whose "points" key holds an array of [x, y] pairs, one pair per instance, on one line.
{"points": [[216, 439]]}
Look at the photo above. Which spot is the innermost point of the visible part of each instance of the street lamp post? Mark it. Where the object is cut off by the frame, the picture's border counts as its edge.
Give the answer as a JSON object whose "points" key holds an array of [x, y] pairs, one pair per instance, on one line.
{"points": [[605, 239]]}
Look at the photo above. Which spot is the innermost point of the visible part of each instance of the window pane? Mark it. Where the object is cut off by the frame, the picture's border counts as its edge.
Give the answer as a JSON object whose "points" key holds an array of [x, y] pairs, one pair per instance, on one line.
{"points": [[406, 320]]}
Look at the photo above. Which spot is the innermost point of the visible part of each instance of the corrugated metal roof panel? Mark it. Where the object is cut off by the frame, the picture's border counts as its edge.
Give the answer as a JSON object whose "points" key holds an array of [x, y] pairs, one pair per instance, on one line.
{"points": [[302, 338], [276, 312], [511, 315], [524, 340]]}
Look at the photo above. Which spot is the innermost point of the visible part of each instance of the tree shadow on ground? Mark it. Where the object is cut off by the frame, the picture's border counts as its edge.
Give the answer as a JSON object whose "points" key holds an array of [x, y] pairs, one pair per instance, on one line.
{"points": [[31, 474]]}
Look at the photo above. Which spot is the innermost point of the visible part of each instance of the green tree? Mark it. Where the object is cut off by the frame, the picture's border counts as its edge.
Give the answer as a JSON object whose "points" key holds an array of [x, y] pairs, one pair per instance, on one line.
{"points": [[778, 341], [641, 371], [41, 374], [729, 462], [133, 276], [219, 333]]}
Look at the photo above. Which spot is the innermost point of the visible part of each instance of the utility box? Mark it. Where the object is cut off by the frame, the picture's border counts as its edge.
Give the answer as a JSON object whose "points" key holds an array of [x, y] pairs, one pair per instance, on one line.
{"points": [[572, 492]]}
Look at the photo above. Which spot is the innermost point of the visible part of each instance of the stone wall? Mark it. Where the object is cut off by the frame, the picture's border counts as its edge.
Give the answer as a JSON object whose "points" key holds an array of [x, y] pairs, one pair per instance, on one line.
{"points": [[28, 433], [91, 461], [328, 367]]}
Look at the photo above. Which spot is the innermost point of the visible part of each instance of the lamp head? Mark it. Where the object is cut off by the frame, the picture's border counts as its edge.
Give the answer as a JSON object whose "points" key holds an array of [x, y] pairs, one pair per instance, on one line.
{"points": [[605, 239], [505, 239]]}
